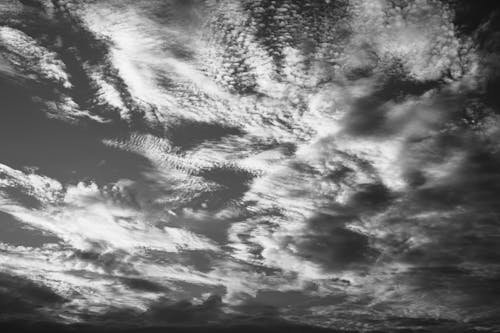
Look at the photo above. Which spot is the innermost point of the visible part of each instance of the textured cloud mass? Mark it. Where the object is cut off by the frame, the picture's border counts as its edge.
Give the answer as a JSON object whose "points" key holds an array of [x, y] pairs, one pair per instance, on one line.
{"points": [[317, 163]]}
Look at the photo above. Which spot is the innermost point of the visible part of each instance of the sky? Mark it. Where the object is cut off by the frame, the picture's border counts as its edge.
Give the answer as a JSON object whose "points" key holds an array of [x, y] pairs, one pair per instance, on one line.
{"points": [[280, 165]]}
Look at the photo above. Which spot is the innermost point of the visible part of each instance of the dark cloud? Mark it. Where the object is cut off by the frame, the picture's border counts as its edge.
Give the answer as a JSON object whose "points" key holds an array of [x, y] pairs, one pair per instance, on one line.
{"points": [[304, 23], [142, 284], [448, 283], [233, 182], [32, 3], [186, 312], [303, 301], [481, 21], [370, 197], [369, 115], [38, 327], [447, 229], [110, 261], [21, 297], [334, 246], [469, 16]]}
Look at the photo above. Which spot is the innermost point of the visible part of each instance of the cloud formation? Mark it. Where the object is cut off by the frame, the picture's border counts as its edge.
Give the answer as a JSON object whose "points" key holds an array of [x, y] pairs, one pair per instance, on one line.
{"points": [[331, 163]]}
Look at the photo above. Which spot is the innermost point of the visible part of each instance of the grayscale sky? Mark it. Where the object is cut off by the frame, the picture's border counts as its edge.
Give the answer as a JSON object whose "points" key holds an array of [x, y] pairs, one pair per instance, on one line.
{"points": [[271, 165]]}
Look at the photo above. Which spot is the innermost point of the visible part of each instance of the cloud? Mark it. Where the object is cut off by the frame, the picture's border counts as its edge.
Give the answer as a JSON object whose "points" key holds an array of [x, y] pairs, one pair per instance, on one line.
{"points": [[88, 288], [96, 218], [335, 153], [43, 189], [421, 36], [21, 297], [22, 49], [34, 67], [185, 312], [105, 238]]}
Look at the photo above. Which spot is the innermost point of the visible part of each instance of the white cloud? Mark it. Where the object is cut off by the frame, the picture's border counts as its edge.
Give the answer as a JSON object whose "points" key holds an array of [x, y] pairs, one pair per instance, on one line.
{"points": [[42, 188], [31, 58], [83, 214], [419, 34]]}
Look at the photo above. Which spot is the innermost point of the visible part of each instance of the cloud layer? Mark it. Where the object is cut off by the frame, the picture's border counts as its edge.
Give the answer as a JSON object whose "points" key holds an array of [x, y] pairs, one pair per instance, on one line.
{"points": [[328, 163]]}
